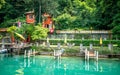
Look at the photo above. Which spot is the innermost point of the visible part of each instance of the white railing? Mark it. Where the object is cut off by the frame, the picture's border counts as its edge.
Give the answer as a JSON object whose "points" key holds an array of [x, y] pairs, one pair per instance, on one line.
{"points": [[86, 31]]}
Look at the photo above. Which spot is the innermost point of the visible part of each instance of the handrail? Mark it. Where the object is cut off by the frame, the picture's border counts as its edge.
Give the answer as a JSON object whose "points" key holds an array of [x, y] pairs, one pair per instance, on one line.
{"points": [[85, 31]]}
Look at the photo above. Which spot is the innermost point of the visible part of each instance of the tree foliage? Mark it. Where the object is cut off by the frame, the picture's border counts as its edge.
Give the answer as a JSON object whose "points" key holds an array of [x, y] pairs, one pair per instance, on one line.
{"points": [[116, 31], [106, 12], [35, 32], [2, 2], [39, 32], [64, 21], [12, 29], [100, 14]]}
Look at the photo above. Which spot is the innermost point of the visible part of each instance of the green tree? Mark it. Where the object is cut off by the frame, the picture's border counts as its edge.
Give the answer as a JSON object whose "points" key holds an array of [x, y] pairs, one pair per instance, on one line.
{"points": [[116, 31], [12, 31], [106, 13], [64, 21], [39, 32], [11, 11], [36, 32], [101, 14], [2, 2], [82, 11], [26, 30]]}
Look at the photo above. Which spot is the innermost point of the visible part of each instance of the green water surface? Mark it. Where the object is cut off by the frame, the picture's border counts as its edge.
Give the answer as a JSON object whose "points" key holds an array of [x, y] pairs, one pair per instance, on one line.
{"points": [[47, 65]]}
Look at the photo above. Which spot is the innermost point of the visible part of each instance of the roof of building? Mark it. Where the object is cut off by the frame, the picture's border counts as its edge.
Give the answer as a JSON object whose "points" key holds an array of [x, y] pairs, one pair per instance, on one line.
{"points": [[29, 12], [86, 31]]}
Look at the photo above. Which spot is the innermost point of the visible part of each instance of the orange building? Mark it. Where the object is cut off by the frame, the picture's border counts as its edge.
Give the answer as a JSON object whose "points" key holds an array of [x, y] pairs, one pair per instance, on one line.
{"points": [[30, 18], [48, 22]]}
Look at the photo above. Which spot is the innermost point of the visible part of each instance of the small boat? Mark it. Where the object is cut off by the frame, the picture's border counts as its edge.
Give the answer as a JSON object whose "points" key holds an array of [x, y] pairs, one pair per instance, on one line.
{"points": [[3, 50]]}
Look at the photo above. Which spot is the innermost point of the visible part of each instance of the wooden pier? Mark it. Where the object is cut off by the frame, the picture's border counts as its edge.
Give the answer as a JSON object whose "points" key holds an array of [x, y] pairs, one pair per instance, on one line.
{"points": [[58, 53], [91, 54]]}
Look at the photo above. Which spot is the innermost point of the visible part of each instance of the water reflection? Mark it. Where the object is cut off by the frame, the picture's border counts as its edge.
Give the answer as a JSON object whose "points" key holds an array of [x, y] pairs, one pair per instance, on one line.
{"points": [[29, 61], [44, 65], [20, 71], [2, 56], [57, 63], [91, 65], [60, 67], [86, 65]]}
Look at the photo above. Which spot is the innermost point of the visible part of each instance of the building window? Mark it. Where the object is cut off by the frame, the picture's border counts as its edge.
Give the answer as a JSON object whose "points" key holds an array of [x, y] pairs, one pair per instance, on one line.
{"points": [[31, 16]]}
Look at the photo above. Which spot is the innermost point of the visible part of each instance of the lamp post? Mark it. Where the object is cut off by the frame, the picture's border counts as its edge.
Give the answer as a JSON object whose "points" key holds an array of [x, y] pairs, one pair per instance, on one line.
{"points": [[91, 31], [91, 38], [65, 39]]}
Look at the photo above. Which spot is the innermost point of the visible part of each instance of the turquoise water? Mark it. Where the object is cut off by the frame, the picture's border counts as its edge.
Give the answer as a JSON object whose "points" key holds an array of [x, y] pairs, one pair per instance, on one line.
{"points": [[47, 65]]}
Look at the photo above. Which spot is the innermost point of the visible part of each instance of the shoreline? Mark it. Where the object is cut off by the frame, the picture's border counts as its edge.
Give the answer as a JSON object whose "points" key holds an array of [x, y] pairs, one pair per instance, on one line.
{"points": [[80, 55], [66, 54]]}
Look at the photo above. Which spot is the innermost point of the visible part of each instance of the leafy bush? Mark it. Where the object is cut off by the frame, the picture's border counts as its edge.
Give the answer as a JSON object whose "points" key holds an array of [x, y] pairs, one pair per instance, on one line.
{"points": [[64, 21], [1, 36], [116, 31], [106, 51], [39, 32]]}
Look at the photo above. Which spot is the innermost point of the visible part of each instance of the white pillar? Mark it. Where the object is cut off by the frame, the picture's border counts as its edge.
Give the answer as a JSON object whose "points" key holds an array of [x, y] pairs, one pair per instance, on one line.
{"points": [[28, 53], [24, 53], [88, 55], [81, 46], [58, 45], [31, 52], [85, 53], [110, 46], [54, 54], [91, 46], [94, 54], [34, 52], [97, 56]]}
